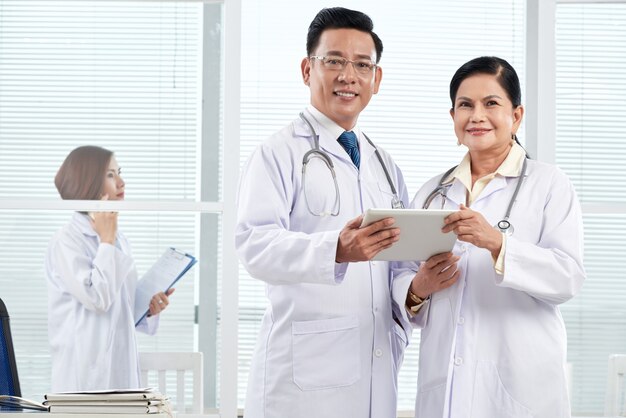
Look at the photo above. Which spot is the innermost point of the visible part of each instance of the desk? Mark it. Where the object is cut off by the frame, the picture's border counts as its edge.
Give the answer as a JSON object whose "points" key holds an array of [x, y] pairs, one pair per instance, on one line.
{"points": [[212, 414]]}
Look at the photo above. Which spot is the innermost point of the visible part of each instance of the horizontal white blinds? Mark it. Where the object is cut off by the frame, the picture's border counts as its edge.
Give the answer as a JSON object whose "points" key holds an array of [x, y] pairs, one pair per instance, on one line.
{"points": [[591, 83], [424, 43], [591, 148], [123, 75]]}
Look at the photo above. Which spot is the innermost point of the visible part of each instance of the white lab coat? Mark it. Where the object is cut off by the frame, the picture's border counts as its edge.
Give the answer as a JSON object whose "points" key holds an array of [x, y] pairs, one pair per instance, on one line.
{"points": [[91, 296], [494, 345], [328, 345]]}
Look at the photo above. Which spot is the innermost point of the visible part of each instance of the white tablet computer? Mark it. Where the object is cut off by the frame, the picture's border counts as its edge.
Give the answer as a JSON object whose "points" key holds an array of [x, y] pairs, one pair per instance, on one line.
{"points": [[420, 233]]}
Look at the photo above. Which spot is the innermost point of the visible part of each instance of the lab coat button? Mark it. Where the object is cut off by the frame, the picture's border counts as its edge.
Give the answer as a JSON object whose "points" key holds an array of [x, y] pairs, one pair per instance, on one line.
{"points": [[461, 320], [458, 361], [378, 352]]}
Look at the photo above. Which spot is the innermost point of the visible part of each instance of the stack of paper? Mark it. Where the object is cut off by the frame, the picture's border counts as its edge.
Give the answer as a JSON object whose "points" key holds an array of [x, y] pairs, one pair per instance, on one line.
{"points": [[132, 401], [8, 402]]}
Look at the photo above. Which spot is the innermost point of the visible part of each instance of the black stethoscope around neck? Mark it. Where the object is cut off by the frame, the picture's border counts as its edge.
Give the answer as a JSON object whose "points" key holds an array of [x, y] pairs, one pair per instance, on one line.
{"points": [[504, 225], [316, 151]]}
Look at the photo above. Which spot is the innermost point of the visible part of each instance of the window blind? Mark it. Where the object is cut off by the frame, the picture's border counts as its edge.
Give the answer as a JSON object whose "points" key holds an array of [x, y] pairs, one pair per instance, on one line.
{"points": [[590, 147], [122, 75], [424, 43]]}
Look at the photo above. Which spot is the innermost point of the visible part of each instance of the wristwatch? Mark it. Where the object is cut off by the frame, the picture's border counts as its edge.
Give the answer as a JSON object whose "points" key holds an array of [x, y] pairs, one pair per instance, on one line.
{"points": [[417, 302]]}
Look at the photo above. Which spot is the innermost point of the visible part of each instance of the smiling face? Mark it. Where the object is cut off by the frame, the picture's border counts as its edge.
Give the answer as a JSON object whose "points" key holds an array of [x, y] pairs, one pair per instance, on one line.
{"points": [[484, 116], [113, 183], [342, 94]]}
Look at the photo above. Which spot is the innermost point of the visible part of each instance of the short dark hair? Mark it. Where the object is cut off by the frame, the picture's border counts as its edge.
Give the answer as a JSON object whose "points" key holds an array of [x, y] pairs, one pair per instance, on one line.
{"points": [[341, 18], [81, 175], [504, 72]]}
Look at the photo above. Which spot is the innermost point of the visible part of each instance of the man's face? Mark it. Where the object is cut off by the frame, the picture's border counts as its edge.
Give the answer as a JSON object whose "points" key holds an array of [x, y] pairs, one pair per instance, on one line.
{"points": [[341, 94]]}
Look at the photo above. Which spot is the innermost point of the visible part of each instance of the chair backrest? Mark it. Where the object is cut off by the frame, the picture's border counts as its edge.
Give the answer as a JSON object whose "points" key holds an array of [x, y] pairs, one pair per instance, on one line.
{"points": [[614, 401], [9, 382], [180, 364]]}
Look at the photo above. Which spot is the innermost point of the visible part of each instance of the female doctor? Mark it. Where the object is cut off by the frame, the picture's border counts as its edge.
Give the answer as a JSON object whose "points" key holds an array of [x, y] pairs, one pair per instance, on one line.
{"points": [[493, 342], [91, 284]]}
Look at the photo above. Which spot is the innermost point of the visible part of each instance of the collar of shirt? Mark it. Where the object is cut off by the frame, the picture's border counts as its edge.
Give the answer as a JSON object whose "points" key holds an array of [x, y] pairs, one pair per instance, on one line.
{"points": [[83, 223], [329, 126], [510, 167]]}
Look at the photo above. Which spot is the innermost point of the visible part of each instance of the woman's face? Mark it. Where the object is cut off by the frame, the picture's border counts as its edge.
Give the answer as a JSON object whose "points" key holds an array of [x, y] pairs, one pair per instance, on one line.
{"points": [[113, 182], [483, 115]]}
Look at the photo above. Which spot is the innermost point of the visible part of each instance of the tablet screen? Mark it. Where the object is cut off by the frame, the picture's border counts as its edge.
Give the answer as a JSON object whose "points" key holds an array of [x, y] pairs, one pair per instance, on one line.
{"points": [[420, 233]]}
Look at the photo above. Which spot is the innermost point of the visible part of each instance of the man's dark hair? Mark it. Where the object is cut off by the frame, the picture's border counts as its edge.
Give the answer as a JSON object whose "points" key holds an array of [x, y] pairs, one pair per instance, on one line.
{"points": [[341, 18]]}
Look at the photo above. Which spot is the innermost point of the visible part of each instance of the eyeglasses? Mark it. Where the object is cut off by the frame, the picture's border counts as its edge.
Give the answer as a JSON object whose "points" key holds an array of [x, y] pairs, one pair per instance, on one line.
{"points": [[333, 63]]}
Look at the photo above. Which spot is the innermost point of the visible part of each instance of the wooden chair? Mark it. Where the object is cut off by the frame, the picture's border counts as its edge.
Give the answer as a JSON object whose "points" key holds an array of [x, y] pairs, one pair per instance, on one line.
{"points": [[180, 364], [614, 401]]}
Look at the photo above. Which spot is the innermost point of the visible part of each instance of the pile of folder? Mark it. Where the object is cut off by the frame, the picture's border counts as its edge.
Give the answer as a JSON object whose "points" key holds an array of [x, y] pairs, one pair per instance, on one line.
{"points": [[134, 401], [15, 403]]}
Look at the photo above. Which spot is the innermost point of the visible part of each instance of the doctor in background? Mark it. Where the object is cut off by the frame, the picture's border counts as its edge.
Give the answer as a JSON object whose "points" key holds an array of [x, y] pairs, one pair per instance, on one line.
{"points": [[328, 345], [493, 344], [91, 284]]}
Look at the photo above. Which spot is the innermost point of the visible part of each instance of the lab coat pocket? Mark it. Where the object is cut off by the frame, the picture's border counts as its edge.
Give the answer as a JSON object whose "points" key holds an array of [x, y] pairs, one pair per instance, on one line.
{"points": [[399, 342], [436, 339], [400, 335], [326, 353], [491, 398], [430, 401]]}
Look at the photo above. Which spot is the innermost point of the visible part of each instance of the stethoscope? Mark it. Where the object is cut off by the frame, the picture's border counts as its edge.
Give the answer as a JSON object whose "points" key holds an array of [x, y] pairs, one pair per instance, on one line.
{"points": [[316, 151], [503, 225]]}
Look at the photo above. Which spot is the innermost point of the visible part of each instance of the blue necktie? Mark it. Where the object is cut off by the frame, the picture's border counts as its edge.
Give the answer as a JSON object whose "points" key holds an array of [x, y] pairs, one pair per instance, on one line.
{"points": [[349, 143]]}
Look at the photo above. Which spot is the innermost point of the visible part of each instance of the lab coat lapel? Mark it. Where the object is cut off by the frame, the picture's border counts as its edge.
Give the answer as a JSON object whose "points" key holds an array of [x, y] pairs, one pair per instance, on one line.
{"points": [[366, 149], [82, 223], [328, 143], [496, 184], [457, 194]]}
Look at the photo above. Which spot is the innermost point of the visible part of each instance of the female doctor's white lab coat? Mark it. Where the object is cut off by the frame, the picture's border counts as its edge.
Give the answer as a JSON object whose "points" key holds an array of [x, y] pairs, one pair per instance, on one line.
{"points": [[91, 296], [495, 345], [328, 344]]}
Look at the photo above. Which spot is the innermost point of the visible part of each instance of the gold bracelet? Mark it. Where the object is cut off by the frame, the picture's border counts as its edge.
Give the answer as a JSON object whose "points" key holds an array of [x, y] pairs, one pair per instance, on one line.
{"points": [[417, 300], [414, 297]]}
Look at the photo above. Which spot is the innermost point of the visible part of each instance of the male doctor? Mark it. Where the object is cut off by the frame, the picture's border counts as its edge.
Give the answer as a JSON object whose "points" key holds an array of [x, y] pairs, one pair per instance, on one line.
{"points": [[328, 345]]}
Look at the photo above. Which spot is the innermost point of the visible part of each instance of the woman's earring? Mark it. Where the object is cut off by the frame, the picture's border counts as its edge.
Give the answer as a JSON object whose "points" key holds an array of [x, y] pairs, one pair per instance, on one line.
{"points": [[458, 142]]}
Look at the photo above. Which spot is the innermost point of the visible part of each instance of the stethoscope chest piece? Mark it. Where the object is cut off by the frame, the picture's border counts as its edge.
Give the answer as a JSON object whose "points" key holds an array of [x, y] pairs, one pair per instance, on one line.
{"points": [[505, 227]]}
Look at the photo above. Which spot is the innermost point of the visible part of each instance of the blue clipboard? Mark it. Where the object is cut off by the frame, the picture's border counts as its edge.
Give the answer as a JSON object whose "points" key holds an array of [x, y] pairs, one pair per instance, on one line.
{"points": [[163, 274]]}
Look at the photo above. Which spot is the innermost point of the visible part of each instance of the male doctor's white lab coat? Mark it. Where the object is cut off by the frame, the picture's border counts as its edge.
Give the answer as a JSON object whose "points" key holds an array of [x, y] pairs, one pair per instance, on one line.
{"points": [[328, 344], [495, 345], [91, 297]]}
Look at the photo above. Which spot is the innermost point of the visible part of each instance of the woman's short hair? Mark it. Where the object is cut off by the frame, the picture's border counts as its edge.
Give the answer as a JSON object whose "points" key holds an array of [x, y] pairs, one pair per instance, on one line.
{"points": [[504, 72], [81, 176]]}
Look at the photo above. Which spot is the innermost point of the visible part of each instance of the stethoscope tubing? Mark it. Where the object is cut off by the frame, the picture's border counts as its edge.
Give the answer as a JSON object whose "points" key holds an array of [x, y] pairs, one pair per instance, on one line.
{"points": [[396, 203], [504, 225]]}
